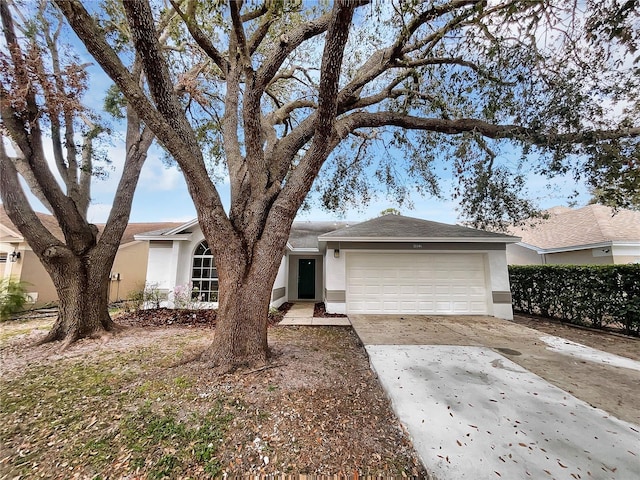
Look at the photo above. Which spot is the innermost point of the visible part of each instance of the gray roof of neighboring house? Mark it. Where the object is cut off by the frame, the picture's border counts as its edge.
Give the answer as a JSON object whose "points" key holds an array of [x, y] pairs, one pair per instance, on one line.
{"points": [[305, 234], [398, 227], [588, 225]]}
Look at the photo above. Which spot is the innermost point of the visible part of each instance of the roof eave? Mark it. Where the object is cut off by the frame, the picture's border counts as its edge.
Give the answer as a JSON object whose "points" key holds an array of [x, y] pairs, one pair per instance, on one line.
{"points": [[189, 224], [589, 246], [304, 250], [530, 247], [166, 236], [421, 239]]}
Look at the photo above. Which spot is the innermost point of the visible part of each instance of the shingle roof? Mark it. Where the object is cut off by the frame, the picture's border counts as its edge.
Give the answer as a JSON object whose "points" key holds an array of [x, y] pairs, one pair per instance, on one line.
{"points": [[588, 225], [397, 227], [305, 234], [138, 228], [51, 224]]}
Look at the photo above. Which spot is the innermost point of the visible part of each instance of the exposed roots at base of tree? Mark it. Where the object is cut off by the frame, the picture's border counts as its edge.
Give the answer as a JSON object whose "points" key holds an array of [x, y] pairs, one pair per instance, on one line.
{"points": [[192, 357], [57, 334], [227, 367]]}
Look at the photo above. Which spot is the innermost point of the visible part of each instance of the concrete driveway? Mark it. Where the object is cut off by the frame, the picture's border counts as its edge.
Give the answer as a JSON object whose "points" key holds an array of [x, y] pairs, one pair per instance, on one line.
{"points": [[487, 398]]}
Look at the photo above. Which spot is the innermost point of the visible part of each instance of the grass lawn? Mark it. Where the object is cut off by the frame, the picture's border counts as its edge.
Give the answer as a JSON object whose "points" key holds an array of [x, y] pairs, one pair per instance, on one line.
{"points": [[141, 405]]}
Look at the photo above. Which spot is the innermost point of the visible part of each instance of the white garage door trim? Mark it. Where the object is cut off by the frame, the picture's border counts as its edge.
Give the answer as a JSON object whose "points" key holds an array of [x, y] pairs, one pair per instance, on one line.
{"points": [[429, 283]]}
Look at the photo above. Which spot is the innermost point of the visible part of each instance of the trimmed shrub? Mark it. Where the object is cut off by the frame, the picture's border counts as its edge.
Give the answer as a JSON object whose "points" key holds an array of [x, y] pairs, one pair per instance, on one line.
{"points": [[593, 295]]}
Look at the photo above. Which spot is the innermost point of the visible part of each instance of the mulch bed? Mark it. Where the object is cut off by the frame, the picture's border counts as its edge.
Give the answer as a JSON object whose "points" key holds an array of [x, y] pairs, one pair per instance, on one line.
{"points": [[320, 311], [165, 317]]}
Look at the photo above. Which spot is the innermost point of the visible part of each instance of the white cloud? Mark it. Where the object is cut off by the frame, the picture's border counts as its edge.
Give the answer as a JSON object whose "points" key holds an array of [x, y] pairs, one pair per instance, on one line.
{"points": [[155, 176], [98, 212]]}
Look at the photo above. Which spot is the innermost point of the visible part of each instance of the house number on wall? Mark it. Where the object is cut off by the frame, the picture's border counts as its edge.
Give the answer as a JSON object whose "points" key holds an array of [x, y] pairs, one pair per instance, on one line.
{"points": [[417, 245]]}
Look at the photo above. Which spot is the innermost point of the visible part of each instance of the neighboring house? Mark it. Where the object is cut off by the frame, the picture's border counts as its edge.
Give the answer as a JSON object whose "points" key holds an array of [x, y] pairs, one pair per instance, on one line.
{"points": [[17, 260], [389, 265], [594, 234]]}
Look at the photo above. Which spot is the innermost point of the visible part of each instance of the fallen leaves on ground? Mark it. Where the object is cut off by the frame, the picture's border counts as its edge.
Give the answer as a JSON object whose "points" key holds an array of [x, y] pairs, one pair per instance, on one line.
{"points": [[134, 406]]}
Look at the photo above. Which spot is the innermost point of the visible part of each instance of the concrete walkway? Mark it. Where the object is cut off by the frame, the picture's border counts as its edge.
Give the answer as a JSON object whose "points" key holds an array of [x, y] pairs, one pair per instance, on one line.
{"points": [[473, 413], [301, 313]]}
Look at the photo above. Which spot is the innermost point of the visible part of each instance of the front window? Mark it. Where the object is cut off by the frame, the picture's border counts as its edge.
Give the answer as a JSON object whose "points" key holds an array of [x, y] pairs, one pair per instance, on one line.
{"points": [[204, 275]]}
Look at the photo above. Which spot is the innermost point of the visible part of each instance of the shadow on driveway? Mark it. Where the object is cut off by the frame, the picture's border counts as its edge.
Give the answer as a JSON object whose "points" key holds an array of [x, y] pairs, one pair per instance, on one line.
{"points": [[485, 398]]}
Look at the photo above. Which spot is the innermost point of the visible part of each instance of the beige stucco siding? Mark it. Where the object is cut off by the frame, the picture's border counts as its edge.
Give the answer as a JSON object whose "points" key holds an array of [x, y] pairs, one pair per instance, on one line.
{"points": [[131, 263], [519, 255], [36, 279], [623, 254], [577, 257], [625, 259], [603, 255]]}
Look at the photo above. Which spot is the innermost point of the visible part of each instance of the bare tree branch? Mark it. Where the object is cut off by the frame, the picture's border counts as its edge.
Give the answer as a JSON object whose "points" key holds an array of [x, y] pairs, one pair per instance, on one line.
{"points": [[256, 13], [260, 32], [239, 34], [17, 206], [201, 39], [288, 43], [31, 147], [356, 120], [300, 182]]}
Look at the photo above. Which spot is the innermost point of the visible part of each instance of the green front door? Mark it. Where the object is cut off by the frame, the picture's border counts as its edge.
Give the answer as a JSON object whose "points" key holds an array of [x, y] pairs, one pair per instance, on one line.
{"points": [[307, 278]]}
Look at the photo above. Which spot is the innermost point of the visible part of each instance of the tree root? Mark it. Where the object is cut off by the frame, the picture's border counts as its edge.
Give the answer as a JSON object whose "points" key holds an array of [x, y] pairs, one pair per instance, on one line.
{"points": [[266, 367], [187, 359], [57, 334], [54, 334]]}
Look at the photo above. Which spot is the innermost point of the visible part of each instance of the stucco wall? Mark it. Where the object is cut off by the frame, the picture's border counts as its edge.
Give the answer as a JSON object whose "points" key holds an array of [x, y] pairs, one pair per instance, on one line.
{"points": [[131, 265], [335, 282], [130, 262], [616, 254], [279, 291], [578, 257], [170, 265], [36, 279], [498, 285], [29, 270], [5, 267], [519, 255], [623, 254]]}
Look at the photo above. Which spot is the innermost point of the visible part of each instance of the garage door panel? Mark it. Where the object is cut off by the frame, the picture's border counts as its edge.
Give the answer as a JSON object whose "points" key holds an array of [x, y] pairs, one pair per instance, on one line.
{"points": [[416, 283]]}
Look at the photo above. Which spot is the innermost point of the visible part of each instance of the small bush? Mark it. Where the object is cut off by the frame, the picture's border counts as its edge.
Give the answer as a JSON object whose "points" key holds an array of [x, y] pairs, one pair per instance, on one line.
{"points": [[185, 296], [146, 296], [598, 296], [13, 296]]}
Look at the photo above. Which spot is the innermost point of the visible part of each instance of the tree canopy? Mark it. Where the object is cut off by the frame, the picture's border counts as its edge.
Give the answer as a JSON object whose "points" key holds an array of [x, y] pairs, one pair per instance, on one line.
{"points": [[481, 92], [282, 97]]}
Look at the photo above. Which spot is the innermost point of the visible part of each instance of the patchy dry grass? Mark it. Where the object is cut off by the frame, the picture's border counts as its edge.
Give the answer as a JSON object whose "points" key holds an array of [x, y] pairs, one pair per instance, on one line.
{"points": [[16, 328], [134, 406], [97, 416]]}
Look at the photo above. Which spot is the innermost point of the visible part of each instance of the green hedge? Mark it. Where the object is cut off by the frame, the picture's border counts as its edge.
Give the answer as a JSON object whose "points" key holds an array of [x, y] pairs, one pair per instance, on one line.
{"points": [[593, 295]]}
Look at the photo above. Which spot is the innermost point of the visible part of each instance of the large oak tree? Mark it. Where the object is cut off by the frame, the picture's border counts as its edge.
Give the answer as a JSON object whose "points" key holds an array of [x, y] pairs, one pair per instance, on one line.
{"points": [[296, 93], [42, 90]]}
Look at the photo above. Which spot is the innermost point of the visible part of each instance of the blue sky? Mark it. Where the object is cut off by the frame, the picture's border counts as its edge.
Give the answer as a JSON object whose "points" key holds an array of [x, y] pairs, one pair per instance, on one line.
{"points": [[162, 194]]}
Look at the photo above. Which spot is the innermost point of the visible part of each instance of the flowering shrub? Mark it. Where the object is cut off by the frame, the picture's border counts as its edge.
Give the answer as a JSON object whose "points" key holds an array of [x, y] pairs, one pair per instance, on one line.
{"points": [[185, 296]]}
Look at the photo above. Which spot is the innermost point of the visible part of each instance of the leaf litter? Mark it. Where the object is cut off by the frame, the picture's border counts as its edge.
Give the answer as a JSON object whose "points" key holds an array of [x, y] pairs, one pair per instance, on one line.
{"points": [[130, 405]]}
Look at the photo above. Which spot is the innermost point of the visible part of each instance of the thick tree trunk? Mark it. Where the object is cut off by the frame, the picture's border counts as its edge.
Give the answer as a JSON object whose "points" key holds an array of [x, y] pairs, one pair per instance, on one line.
{"points": [[241, 330], [82, 288]]}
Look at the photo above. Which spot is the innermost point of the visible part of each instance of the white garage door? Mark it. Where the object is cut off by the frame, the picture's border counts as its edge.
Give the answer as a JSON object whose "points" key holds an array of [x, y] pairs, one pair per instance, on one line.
{"points": [[437, 283]]}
